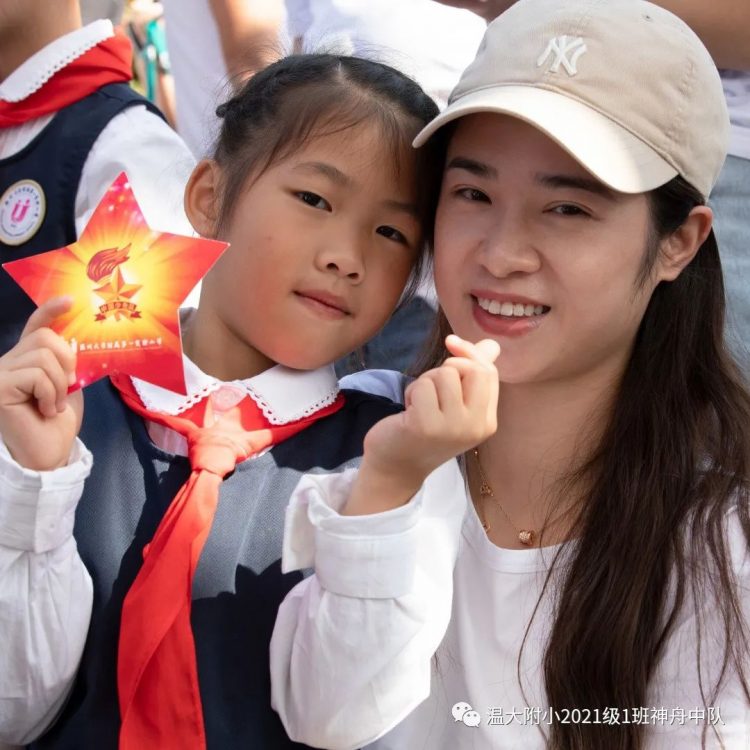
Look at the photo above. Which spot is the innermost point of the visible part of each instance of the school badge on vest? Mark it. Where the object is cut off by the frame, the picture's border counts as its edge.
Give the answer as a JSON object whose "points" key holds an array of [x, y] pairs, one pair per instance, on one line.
{"points": [[22, 209]]}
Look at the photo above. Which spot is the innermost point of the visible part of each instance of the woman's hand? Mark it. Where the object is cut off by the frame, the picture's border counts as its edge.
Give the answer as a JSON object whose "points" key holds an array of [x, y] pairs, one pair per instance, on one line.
{"points": [[39, 420], [448, 410]]}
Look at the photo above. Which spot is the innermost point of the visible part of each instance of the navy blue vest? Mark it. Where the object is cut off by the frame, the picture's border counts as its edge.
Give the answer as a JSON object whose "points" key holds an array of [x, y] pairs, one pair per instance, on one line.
{"points": [[55, 160], [238, 584]]}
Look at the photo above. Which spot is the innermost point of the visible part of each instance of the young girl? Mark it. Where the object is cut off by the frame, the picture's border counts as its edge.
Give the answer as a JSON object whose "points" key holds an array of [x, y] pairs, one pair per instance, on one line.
{"points": [[325, 205], [596, 592]]}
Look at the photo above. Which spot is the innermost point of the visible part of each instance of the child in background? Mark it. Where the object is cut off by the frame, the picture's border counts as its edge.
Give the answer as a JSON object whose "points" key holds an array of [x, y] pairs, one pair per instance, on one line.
{"points": [[328, 211], [69, 124]]}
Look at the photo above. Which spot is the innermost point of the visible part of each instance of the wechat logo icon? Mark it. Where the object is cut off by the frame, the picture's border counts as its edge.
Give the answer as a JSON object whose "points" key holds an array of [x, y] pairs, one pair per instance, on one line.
{"points": [[463, 711]]}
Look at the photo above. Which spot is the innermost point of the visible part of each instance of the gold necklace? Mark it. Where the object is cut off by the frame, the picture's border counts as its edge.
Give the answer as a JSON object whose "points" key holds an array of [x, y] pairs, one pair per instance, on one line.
{"points": [[525, 536]]}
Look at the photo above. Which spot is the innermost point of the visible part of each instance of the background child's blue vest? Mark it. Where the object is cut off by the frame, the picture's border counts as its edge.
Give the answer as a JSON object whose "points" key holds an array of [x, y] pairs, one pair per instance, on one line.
{"points": [[238, 584], [55, 160]]}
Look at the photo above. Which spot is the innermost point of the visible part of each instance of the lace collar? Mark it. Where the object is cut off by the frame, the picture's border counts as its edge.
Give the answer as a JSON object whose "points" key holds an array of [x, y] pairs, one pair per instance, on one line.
{"points": [[33, 73], [283, 395]]}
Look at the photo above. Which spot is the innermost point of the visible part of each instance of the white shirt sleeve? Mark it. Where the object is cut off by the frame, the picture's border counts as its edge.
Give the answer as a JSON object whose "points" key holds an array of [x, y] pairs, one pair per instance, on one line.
{"points": [[383, 586], [45, 592], [156, 160], [298, 17]]}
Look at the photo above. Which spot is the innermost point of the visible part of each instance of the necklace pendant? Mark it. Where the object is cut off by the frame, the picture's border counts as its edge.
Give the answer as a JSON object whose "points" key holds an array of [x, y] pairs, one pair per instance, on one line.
{"points": [[485, 490], [526, 538]]}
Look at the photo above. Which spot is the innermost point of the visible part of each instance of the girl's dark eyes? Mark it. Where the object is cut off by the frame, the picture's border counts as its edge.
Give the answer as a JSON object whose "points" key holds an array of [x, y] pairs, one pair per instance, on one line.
{"points": [[392, 234], [314, 200], [472, 194]]}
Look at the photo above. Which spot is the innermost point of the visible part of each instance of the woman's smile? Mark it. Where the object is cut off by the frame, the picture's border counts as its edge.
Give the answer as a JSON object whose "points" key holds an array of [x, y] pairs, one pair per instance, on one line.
{"points": [[507, 315]]}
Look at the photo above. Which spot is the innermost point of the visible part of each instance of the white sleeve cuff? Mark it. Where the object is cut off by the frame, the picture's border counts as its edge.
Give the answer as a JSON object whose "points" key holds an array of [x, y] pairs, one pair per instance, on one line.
{"points": [[372, 556], [37, 508]]}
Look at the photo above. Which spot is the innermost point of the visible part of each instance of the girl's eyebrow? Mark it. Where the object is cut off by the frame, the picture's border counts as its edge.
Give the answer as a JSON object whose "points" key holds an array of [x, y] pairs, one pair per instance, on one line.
{"points": [[589, 184], [478, 168], [327, 170]]}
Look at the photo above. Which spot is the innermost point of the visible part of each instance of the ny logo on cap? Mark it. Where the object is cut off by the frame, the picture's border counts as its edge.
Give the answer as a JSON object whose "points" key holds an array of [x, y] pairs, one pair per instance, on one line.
{"points": [[566, 52]]}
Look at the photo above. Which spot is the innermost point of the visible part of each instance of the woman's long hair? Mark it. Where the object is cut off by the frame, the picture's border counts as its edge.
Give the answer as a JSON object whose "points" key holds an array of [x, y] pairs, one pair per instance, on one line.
{"points": [[672, 463]]}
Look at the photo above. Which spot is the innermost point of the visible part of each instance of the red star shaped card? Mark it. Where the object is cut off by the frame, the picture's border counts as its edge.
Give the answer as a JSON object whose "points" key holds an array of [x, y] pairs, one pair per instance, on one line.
{"points": [[127, 282]]}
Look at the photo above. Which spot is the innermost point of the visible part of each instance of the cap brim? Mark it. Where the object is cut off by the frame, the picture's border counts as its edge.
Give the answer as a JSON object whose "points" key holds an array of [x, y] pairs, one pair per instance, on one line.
{"points": [[607, 150]]}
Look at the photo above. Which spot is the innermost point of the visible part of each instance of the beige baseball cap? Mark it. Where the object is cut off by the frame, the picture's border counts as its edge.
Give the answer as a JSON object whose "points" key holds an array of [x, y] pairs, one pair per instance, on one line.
{"points": [[624, 86]]}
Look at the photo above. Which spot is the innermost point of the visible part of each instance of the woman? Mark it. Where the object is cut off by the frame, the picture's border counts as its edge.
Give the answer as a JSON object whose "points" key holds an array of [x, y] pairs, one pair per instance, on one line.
{"points": [[594, 593]]}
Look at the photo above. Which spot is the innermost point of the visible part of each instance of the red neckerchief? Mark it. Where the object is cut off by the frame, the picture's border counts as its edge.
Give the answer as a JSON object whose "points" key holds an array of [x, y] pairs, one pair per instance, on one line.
{"points": [[109, 62], [157, 674]]}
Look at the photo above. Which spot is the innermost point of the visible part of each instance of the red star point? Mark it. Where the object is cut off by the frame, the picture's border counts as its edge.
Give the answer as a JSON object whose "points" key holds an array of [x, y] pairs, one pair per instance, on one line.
{"points": [[127, 282]]}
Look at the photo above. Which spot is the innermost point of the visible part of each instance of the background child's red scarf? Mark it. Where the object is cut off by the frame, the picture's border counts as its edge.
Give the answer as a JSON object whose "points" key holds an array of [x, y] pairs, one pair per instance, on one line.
{"points": [[109, 62]]}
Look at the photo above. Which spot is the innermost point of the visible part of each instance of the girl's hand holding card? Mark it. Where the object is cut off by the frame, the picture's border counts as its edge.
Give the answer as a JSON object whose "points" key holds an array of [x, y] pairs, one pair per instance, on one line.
{"points": [[39, 419]]}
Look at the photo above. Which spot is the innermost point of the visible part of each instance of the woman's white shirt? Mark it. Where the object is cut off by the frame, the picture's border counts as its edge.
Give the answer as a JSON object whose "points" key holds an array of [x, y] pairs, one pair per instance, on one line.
{"points": [[352, 667]]}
